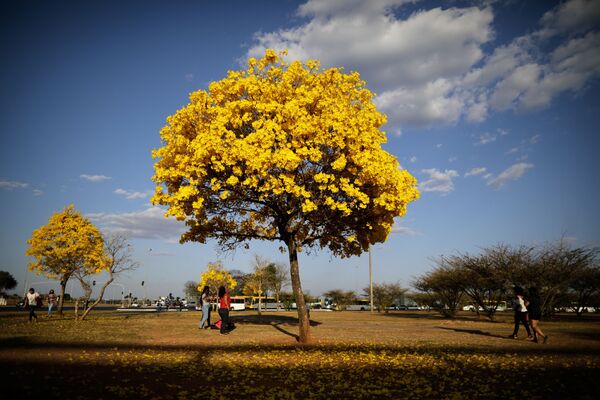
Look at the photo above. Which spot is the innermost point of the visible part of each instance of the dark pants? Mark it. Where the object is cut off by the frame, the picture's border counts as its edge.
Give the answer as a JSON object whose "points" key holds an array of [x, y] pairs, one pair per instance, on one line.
{"points": [[522, 318], [31, 312], [224, 314]]}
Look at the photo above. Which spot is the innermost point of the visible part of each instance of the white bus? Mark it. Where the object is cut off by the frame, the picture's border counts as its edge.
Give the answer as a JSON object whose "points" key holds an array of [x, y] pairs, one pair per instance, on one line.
{"points": [[266, 303], [238, 303], [359, 305]]}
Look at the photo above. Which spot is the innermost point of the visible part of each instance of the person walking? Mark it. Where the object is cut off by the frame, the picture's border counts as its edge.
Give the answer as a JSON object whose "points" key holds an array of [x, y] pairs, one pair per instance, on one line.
{"points": [[32, 300], [206, 308], [51, 302], [224, 304], [520, 312], [535, 314]]}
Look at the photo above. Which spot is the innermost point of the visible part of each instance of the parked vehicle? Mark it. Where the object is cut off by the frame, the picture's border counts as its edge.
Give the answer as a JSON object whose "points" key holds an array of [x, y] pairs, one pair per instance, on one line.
{"points": [[502, 306], [399, 307], [359, 305], [252, 303], [238, 303]]}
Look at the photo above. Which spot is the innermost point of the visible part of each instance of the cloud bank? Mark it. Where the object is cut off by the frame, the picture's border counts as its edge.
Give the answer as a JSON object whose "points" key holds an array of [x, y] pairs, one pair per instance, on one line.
{"points": [[439, 66]]}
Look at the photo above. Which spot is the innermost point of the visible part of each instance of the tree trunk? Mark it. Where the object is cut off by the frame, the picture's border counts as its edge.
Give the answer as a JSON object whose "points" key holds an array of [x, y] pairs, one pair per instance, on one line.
{"points": [[98, 300], [61, 300], [303, 320]]}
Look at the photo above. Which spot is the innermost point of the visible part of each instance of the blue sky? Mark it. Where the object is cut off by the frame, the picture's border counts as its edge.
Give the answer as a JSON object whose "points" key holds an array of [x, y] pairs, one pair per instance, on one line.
{"points": [[493, 106]]}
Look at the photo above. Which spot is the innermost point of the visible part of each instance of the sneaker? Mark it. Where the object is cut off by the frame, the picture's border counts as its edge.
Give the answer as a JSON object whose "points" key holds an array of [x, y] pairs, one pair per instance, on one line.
{"points": [[530, 337], [545, 339], [512, 336]]}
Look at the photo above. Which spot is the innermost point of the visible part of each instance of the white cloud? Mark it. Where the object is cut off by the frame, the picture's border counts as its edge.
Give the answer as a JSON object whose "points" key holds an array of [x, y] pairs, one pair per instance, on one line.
{"points": [[10, 185], [438, 146], [37, 192], [574, 15], [131, 195], [146, 224], [535, 139], [476, 171], [452, 159], [512, 173], [189, 77], [415, 61], [509, 90], [431, 67], [438, 181], [433, 102], [403, 230], [94, 178], [413, 159], [485, 138]]}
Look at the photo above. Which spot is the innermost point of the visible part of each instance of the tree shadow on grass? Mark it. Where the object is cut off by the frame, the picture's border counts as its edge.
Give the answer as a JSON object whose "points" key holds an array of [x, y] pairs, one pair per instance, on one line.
{"points": [[429, 315], [276, 321], [259, 379], [477, 332]]}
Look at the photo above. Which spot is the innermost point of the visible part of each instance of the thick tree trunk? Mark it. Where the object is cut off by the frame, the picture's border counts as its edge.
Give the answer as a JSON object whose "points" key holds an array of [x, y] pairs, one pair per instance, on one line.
{"points": [[303, 319], [61, 300]]}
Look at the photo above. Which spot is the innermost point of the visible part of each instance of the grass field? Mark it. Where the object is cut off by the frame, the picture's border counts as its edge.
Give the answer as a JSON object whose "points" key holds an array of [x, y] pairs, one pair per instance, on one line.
{"points": [[354, 355]]}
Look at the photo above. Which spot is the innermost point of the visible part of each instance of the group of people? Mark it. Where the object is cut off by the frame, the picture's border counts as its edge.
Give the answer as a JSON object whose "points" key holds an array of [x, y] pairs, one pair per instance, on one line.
{"points": [[224, 302], [528, 311], [33, 300]]}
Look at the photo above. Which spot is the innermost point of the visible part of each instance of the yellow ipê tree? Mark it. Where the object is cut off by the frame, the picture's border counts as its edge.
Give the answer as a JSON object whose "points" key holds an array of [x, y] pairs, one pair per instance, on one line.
{"points": [[69, 242], [215, 276], [282, 152]]}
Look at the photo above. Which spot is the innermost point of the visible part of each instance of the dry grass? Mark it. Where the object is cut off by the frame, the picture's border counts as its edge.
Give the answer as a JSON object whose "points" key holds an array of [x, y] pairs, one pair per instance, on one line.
{"points": [[353, 355]]}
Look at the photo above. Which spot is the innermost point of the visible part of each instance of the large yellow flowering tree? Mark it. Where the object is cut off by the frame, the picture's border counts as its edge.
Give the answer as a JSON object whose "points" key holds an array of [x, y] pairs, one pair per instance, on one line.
{"points": [[68, 243], [287, 152]]}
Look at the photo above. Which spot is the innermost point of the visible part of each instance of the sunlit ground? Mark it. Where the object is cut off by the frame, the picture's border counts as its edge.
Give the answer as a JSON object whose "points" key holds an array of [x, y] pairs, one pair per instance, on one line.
{"points": [[354, 355]]}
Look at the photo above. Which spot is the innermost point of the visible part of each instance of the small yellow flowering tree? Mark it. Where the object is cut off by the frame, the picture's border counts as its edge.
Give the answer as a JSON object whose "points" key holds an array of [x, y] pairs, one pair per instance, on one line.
{"points": [[284, 152], [214, 277], [67, 244]]}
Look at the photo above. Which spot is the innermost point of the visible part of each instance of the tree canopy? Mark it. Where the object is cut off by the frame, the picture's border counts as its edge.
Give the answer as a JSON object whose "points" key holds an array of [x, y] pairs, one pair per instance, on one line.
{"points": [[7, 281], [282, 151], [68, 243], [215, 276]]}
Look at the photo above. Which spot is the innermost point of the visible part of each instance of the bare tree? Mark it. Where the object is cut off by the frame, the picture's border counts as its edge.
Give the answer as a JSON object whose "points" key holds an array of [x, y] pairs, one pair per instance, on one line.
{"points": [[441, 289], [258, 282], [585, 287], [341, 298], [278, 278], [385, 294], [190, 290], [119, 252]]}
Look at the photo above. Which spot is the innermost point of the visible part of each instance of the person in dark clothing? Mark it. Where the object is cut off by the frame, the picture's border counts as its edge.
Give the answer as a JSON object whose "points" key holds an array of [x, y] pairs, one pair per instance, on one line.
{"points": [[535, 314], [224, 304], [32, 300], [520, 312]]}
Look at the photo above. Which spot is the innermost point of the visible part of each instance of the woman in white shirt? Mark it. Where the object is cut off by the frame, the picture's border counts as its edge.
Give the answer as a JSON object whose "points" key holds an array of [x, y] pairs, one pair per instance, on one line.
{"points": [[520, 312], [31, 301]]}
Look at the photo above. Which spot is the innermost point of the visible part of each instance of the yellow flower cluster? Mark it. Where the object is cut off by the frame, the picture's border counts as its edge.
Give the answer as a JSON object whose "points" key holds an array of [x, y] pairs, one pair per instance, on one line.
{"points": [[297, 145], [67, 243], [214, 277]]}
